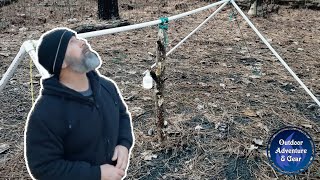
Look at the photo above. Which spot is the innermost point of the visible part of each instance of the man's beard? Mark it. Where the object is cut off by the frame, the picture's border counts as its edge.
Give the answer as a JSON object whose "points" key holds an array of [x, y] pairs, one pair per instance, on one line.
{"points": [[89, 61]]}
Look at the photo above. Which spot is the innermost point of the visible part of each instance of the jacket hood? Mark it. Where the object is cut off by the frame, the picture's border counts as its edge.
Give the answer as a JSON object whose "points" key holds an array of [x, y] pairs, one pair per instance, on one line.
{"points": [[52, 86]]}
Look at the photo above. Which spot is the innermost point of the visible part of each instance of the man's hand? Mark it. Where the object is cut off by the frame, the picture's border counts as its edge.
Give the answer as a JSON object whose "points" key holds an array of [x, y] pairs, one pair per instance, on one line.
{"points": [[109, 172], [121, 155]]}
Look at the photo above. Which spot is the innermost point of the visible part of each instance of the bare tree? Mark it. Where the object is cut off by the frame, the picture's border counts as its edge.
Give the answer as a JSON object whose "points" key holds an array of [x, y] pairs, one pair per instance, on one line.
{"points": [[255, 8], [108, 9], [6, 2], [264, 7]]}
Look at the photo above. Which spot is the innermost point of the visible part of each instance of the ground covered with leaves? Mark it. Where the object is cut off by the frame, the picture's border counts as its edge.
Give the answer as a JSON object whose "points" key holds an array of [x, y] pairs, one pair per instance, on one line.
{"points": [[226, 94]]}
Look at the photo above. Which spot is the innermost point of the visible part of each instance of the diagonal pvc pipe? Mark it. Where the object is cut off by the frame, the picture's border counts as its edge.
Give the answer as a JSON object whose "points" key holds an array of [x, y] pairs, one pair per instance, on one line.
{"points": [[146, 24], [196, 29], [13, 66], [275, 53]]}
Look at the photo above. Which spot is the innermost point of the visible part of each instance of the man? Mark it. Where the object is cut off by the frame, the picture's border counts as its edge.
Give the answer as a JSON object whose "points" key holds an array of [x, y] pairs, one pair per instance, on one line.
{"points": [[79, 128]]}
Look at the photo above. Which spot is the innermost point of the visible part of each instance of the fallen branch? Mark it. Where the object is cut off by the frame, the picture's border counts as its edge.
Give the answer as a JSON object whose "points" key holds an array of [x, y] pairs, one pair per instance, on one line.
{"points": [[6, 2], [94, 27]]}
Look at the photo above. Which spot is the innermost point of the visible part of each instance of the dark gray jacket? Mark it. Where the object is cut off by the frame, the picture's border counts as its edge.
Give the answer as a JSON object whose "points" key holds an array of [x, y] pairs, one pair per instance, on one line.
{"points": [[68, 135]]}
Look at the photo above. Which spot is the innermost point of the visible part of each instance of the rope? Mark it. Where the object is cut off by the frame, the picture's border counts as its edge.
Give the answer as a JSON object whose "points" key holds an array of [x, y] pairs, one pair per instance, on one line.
{"points": [[31, 81], [234, 15], [255, 69], [230, 20]]}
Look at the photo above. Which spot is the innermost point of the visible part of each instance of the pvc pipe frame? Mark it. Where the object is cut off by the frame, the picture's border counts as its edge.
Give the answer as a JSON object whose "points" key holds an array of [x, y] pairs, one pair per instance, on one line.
{"points": [[275, 53], [31, 51], [28, 46]]}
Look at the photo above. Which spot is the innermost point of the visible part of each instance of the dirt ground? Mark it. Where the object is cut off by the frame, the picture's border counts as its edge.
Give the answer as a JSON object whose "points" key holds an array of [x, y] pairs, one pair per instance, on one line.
{"points": [[213, 82]]}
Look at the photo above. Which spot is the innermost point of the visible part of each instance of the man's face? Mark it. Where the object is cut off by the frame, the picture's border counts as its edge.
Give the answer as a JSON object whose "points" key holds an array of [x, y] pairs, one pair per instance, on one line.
{"points": [[79, 57]]}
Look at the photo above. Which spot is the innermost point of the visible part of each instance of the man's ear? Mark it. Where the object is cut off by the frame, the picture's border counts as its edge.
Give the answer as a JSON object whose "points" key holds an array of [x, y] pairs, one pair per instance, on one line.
{"points": [[64, 64]]}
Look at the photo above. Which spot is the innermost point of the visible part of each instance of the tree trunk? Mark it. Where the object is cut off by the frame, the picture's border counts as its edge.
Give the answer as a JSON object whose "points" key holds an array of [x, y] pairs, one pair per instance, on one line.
{"points": [[255, 8], [159, 77], [6, 2], [108, 9]]}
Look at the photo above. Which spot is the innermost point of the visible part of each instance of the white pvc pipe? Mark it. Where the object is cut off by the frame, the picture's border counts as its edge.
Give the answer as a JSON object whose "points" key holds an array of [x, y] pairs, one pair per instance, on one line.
{"points": [[146, 24], [183, 40], [30, 49], [275, 53], [13, 66]]}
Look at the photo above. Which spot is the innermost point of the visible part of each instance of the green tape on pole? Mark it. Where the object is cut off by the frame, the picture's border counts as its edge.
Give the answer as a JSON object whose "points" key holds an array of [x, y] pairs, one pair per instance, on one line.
{"points": [[164, 23], [164, 26]]}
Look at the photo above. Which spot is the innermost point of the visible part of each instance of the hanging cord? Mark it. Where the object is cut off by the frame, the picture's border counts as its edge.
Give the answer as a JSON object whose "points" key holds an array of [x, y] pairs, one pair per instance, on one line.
{"points": [[230, 20], [164, 25], [234, 15], [256, 70], [31, 81], [231, 28]]}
